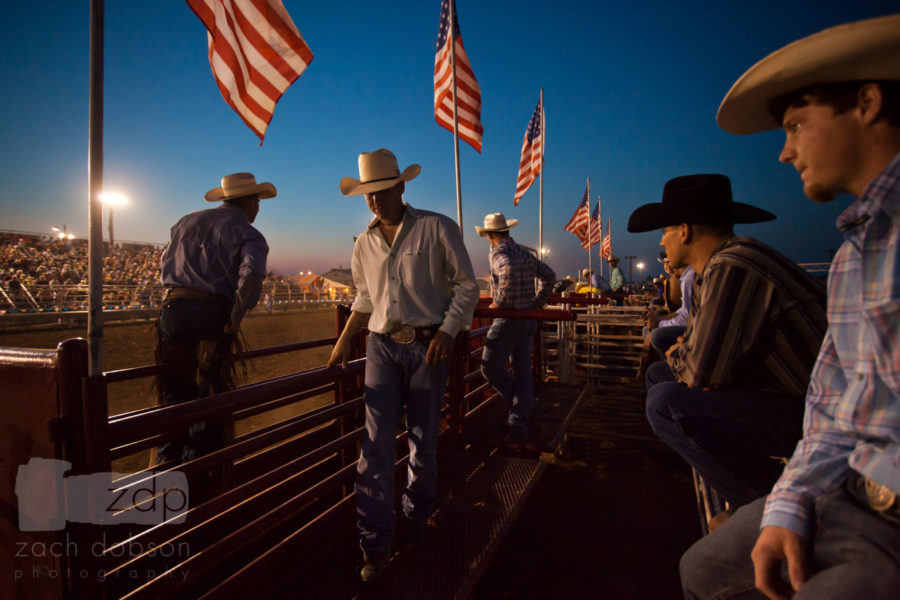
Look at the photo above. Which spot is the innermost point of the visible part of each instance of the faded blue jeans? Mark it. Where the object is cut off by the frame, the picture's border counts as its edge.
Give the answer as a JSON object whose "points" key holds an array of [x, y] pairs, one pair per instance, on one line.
{"points": [[854, 554], [729, 435], [397, 375], [511, 338]]}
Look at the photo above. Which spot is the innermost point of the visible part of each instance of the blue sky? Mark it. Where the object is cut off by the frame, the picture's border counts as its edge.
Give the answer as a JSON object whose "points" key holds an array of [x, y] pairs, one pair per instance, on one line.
{"points": [[631, 91]]}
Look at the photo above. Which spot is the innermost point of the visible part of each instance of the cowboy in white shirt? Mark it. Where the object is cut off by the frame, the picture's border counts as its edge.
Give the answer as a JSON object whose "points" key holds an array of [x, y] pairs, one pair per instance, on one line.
{"points": [[416, 290]]}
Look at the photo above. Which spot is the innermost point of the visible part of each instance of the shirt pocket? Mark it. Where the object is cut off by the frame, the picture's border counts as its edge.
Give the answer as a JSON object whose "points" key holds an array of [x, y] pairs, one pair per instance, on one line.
{"points": [[414, 266]]}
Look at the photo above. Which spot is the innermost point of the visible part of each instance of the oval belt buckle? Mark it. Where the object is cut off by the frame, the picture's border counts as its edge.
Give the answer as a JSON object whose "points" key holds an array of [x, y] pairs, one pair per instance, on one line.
{"points": [[881, 497], [404, 335]]}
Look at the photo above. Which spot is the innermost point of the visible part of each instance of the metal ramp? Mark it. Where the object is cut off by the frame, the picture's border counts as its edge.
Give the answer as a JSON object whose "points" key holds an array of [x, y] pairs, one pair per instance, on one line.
{"points": [[481, 489]]}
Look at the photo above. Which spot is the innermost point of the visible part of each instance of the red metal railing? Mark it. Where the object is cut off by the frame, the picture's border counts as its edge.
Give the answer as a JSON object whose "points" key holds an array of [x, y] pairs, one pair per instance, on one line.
{"points": [[287, 486]]}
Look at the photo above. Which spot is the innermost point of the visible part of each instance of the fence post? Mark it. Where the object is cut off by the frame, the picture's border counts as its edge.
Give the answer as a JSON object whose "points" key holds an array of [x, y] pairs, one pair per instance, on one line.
{"points": [[456, 386]]}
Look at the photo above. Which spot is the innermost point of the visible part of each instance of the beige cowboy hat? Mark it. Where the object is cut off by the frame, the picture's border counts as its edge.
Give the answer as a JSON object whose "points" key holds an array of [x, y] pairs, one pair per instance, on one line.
{"points": [[495, 222], [612, 259], [377, 171], [862, 51], [586, 272], [237, 185]]}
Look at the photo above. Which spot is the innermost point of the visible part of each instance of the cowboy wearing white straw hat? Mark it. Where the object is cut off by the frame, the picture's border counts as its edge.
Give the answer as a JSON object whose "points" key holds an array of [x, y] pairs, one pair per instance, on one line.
{"points": [[213, 268], [834, 514], [513, 273], [416, 291]]}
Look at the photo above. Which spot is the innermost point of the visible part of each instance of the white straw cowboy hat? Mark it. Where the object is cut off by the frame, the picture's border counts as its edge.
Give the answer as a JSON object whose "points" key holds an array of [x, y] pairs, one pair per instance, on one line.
{"points": [[495, 222], [377, 171], [862, 51], [237, 185]]}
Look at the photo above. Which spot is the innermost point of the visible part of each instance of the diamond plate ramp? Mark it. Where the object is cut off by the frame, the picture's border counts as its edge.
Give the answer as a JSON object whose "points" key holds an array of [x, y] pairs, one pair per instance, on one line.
{"points": [[480, 500]]}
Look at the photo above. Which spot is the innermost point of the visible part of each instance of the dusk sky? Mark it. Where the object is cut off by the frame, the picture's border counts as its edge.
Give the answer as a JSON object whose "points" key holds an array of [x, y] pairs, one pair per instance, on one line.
{"points": [[631, 92]]}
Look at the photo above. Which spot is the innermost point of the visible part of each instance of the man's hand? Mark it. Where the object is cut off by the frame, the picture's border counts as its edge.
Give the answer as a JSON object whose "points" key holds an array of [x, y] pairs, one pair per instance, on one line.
{"points": [[340, 353], [774, 545], [439, 348]]}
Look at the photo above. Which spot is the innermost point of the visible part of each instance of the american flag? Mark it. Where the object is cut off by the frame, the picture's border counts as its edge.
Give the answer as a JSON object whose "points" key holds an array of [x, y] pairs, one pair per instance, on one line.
{"points": [[596, 225], [256, 53], [606, 246], [532, 153], [468, 98], [578, 224]]}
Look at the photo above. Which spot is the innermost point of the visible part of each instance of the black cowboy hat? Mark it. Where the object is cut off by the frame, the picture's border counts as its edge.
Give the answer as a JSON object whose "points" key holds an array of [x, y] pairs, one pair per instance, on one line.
{"points": [[696, 199]]}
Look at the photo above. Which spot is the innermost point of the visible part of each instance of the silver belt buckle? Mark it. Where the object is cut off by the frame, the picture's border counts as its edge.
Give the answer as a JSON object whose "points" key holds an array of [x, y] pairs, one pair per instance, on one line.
{"points": [[404, 335], [881, 497]]}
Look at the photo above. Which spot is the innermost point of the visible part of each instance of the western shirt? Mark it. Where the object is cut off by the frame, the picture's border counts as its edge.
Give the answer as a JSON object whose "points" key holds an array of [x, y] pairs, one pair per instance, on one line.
{"points": [[757, 322], [513, 271], [852, 418], [218, 251], [424, 278]]}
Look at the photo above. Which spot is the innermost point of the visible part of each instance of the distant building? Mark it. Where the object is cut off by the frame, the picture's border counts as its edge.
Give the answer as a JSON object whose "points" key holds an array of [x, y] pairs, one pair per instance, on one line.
{"points": [[342, 276]]}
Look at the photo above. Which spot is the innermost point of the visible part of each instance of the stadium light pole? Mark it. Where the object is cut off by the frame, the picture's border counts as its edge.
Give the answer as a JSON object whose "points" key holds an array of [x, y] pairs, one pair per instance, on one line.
{"points": [[112, 201], [630, 259]]}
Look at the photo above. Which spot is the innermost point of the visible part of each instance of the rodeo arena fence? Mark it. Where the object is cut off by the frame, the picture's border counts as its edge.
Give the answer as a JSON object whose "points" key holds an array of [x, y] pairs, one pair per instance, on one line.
{"points": [[285, 498]]}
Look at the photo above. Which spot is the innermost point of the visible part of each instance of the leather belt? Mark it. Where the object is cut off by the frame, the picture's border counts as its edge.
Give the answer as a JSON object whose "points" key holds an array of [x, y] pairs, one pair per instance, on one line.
{"points": [[406, 334], [186, 293], [876, 496]]}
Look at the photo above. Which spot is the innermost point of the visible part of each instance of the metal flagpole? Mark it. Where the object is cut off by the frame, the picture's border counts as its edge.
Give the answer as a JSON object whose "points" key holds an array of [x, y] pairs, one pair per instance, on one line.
{"points": [[95, 185], [600, 217], [459, 218], [588, 194], [541, 184]]}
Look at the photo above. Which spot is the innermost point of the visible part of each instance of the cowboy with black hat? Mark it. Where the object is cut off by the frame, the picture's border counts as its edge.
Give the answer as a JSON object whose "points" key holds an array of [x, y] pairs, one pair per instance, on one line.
{"points": [[213, 268], [416, 291], [741, 370], [833, 516], [513, 273]]}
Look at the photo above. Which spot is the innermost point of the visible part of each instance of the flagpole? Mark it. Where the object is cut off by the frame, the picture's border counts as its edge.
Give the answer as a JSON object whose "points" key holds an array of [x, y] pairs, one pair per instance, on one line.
{"points": [[95, 185], [541, 184], [600, 218], [459, 218], [588, 194]]}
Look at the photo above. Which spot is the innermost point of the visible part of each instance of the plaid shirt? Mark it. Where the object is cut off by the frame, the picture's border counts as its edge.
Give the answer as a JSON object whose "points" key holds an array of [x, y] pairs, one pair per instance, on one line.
{"points": [[757, 322], [852, 418], [513, 270]]}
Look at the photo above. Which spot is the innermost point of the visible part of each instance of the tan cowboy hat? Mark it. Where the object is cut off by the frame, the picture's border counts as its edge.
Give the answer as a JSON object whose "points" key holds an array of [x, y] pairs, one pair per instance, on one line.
{"points": [[377, 171], [862, 51], [237, 185], [586, 272], [495, 222]]}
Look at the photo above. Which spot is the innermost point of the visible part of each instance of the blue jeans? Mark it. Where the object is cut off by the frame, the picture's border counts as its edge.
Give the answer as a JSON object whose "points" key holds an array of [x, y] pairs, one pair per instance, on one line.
{"points": [[663, 338], [511, 338], [397, 375], [729, 435], [183, 324], [854, 553]]}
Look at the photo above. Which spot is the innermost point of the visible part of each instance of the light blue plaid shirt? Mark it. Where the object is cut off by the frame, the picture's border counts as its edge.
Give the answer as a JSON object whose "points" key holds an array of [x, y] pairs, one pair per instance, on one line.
{"points": [[852, 418], [513, 270]]}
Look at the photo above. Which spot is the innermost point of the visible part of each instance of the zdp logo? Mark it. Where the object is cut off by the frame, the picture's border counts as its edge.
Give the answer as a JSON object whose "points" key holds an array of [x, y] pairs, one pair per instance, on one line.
{"points": [[47, 499]]}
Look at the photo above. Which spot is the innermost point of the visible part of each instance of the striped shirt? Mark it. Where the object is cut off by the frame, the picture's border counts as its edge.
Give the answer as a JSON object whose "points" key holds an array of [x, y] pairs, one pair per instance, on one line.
{"points": [[852, 418], [513, 270], [757, 321]]}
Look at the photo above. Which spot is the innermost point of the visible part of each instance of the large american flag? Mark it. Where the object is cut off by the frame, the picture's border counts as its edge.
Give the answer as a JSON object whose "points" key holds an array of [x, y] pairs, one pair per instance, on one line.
{"points": [[468, 94], [256, 53], [532, 153], [578, 224], [606, 246]]}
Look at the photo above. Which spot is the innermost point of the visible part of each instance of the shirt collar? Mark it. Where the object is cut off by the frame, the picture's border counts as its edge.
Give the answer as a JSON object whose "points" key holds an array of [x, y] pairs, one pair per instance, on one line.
{"points": [[872, 198], [410, 212]]}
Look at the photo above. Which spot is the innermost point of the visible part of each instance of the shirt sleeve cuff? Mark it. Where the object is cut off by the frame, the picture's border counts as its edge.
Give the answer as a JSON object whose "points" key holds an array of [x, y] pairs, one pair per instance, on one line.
{"points": [[450, 326], [784, 510], [362, 304]]}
